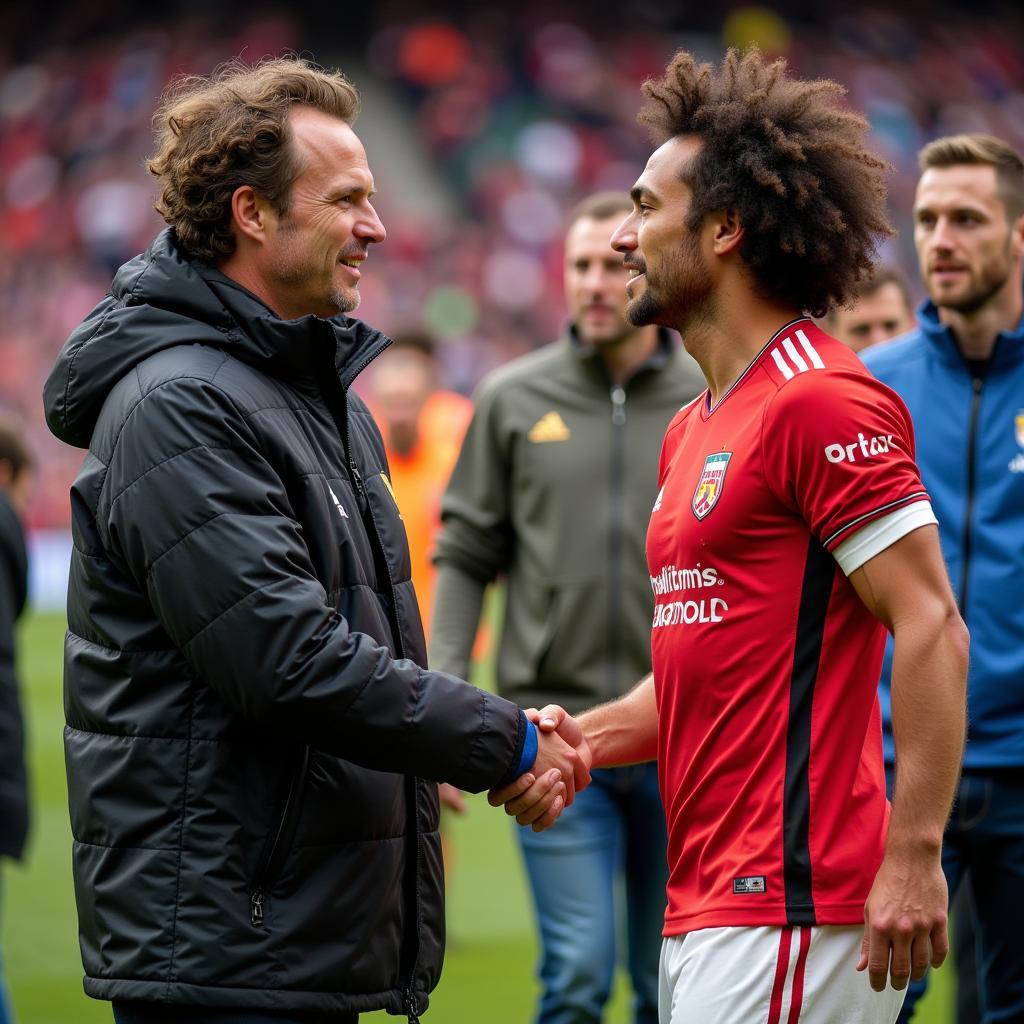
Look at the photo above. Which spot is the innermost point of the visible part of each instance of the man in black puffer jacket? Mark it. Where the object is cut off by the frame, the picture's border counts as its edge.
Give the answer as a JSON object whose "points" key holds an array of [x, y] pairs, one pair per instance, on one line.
{"points": [[249, 731]]}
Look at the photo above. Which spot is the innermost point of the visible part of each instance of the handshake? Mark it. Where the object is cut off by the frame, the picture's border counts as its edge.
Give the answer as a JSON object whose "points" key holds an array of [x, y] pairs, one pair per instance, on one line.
{"points": [[562, 767]]}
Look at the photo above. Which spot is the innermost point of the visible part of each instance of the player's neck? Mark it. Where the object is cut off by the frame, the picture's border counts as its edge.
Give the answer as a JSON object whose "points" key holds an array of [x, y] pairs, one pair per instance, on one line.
{"points": [[976, 332], [728, 338]]}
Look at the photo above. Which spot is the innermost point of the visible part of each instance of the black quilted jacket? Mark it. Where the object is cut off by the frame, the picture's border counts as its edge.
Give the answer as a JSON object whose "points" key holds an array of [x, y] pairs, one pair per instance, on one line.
{"points": [[249, 733]]}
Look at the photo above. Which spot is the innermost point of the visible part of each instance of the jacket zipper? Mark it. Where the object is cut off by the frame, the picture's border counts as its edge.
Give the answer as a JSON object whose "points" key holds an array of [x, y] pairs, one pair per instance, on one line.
{"points": [[409, 1001], [972, 439], [275, 851], [616, 498]]}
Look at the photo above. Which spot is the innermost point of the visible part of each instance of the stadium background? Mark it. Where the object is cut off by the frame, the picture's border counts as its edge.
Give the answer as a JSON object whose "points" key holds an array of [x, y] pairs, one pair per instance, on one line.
{"points": [[482, 125]]}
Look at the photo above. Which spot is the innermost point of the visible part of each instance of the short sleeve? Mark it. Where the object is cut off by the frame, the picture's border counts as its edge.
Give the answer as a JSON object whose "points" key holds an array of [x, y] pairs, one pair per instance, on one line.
{"points": [[838, 448]]}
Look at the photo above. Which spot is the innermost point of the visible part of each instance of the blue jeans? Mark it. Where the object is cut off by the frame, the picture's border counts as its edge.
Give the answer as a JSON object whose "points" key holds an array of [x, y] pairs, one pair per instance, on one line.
{"points": [[615, 827], [984, 847]]}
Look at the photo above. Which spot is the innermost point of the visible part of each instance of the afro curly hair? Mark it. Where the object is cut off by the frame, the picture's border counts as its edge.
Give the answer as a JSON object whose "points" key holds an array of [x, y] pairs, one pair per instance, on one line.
{"points": [[786, 156]]}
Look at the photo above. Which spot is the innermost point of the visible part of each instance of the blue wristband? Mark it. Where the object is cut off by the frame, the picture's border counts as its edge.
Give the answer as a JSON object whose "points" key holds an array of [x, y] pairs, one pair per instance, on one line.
{"points": [[529, 754]]}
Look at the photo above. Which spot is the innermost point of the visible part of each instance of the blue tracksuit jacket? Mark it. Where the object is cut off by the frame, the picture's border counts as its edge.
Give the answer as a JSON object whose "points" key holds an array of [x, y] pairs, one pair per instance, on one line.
{"points": [[970, 447]]}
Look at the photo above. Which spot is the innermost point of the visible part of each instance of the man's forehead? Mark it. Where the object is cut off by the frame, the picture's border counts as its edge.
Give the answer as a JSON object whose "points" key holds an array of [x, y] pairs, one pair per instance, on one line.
{"points": [[593, 233], [666, 164], [961, 183], [326, 142]]}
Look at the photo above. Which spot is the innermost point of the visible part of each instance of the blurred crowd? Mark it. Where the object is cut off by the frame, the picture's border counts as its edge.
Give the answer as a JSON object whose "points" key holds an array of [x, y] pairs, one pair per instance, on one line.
{"points": [[513, 118]]}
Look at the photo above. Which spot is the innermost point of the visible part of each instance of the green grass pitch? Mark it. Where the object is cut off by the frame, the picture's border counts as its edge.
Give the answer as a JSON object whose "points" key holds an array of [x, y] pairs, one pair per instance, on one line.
{"points": [[489, 968]]}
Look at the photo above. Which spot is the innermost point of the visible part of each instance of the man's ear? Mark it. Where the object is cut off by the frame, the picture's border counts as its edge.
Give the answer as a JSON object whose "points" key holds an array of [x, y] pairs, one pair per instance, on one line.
{"points": [[728, 231], [1018, 232], [251, 213]]}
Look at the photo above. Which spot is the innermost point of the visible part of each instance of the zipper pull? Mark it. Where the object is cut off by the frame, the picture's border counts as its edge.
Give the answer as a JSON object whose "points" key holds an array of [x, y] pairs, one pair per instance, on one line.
{"points": [[618, 406], [357, 477], [256, 907], [409, 1000]]}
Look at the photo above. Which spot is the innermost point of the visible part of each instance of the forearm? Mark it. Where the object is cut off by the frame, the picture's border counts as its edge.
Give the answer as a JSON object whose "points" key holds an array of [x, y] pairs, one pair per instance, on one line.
{"points": [[929, 683], [624, 731], [458, 599]]}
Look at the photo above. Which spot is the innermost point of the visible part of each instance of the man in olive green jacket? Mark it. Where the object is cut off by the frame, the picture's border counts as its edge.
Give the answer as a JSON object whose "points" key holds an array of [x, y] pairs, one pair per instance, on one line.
{"points": [[553, 488]]}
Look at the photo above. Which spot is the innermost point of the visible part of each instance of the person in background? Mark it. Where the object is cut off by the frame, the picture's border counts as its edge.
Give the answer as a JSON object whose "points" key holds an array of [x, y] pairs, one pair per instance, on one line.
{"points": [[422, 426], [15, 474], [961, 374], [552, 489], [879, 310]]}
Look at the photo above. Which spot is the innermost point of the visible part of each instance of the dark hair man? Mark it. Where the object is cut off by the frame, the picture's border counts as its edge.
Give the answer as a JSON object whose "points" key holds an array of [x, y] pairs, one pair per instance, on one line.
{"points": [[790, 531], [961, 373], [250, 734], [552, 489], [15, 476], [879, 310]]}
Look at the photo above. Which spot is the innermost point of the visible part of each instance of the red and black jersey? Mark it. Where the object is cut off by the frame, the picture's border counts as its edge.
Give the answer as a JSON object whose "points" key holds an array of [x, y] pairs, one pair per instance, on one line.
{"points": [[766, 661]]}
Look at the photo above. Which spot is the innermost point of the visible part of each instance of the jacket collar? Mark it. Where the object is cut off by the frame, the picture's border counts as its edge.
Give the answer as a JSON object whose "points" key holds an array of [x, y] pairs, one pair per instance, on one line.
{"points": [[1008, 351], [297, 349], [589, 355]]}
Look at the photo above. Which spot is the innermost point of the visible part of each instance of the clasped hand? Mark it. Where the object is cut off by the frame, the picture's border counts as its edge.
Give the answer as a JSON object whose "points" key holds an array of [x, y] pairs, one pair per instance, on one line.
{"points": [[562, 768]]}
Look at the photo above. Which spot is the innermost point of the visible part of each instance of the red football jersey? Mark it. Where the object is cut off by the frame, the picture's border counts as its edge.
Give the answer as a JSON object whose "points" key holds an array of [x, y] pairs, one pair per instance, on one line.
{"points": [[766, 661]]}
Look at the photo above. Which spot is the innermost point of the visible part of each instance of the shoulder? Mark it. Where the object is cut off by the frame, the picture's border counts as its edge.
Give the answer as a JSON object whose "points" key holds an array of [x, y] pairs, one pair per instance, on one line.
{"points": [[893, 356], [525, 371], [832, 390], [181, 397]]}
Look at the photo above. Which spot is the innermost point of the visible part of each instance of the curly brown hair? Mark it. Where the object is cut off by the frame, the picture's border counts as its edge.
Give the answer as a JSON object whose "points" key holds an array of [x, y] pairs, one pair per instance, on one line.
{"points": [[789, 159], [216, 133]]}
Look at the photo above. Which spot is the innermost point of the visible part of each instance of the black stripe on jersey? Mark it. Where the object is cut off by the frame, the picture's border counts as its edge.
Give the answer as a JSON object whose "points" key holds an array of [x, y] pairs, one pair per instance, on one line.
{"points": [[819, 575], [916, 496]]}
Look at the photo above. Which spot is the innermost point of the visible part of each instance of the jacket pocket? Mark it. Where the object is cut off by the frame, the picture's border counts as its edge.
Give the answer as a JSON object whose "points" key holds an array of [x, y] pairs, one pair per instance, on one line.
{"points": [[279, 840]]}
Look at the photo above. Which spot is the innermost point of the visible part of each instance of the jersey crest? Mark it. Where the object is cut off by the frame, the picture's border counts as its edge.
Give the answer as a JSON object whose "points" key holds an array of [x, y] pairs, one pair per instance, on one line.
{"points": [[709, 486]]}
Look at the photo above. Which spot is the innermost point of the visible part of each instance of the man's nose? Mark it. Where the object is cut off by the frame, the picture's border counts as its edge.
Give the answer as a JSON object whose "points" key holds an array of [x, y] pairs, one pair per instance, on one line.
{"points": [[369, 226], [624, 236]]}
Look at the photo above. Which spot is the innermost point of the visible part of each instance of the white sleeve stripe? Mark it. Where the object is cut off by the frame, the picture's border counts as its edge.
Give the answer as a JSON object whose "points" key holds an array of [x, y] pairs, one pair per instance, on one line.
{"points": [[917, 496], [816, 361], [781, 364], [882, 533], [791, 351]]}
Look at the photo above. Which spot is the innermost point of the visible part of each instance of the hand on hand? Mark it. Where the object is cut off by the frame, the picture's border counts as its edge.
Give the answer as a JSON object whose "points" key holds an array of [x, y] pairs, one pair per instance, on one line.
{"points": [[905, 921], [562, 767]]}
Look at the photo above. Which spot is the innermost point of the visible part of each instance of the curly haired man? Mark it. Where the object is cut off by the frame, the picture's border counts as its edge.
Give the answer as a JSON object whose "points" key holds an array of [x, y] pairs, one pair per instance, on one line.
{"points": [[790, 532]]}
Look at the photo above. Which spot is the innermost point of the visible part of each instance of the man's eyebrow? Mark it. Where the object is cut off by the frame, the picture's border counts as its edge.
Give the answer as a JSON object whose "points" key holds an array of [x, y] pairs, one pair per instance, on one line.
{"points": [[638, 192]]}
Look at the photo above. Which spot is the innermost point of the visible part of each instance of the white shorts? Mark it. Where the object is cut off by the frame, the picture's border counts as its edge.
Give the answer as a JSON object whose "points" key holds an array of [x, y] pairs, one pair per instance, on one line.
{"points": [[770, 976]]}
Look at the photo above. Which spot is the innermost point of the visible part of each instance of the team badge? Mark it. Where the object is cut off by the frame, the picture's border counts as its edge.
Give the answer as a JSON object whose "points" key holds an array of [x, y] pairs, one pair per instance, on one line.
{"points": [[709, 486], [1018, 426]]}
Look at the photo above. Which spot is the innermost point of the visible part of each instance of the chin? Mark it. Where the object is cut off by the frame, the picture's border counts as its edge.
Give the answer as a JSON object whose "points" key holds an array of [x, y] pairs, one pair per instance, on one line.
{"points": [[345, 302], [643, 311]]}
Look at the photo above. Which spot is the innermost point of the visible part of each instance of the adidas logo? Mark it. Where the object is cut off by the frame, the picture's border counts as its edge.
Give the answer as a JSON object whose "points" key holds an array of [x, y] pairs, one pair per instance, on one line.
{"points": [[550, 427]]}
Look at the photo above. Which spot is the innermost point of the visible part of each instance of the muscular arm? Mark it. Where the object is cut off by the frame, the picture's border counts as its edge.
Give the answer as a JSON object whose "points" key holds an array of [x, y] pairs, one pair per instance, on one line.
{"points": [[906, 587], [624, 731]]}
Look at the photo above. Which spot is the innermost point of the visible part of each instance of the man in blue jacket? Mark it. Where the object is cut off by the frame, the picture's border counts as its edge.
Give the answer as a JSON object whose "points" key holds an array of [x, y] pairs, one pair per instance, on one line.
{"points": [[961, 373]]}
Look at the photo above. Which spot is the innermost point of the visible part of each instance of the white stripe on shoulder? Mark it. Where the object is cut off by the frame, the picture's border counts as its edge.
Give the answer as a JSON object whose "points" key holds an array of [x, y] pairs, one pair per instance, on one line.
{"points": [[697, 398], [816, 361], [787, 344], [782, 365]]}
